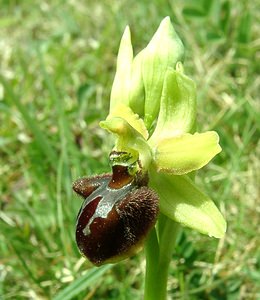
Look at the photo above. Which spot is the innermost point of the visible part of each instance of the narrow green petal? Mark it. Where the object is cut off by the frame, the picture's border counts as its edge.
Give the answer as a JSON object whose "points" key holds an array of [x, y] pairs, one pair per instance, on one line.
{"points": [[129, 140], [182, 201], [122, 80], [164, 50], [186, 153], [133, 119], [178, 105]]}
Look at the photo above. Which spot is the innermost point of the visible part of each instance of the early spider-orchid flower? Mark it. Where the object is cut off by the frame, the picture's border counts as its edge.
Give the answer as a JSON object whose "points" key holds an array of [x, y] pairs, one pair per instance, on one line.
{"points": [[153, 117]]}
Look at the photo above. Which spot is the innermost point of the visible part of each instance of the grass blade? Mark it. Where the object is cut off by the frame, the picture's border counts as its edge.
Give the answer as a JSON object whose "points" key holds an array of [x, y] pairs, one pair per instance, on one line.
{"points": [[40, 138], [82, 283]]}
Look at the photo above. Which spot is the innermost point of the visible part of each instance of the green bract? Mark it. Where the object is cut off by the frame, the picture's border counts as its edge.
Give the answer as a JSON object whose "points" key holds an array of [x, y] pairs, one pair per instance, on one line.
{"points": [[153, 115]]}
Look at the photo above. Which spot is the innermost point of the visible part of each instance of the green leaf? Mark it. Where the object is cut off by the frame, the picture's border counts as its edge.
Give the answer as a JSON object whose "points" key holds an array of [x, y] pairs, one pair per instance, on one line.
{"points": [[186, 153], [82, 283], [245, 28], [178, 106], [194, 12], [182, 201], [164, 50], [122, 80]]}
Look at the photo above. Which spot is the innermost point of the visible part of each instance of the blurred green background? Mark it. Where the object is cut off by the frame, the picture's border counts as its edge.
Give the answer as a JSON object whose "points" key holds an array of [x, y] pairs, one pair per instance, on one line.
{"points": [[57, 62]]}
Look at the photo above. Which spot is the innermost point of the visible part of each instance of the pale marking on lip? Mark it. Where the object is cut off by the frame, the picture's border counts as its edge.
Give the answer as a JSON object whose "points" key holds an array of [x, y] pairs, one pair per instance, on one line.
{"points": [[109, 197]]}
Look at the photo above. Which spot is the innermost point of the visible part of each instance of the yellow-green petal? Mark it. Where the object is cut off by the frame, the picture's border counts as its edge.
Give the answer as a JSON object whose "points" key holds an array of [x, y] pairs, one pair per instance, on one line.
{"points": [[128, 140], [186, 153], [182, 201], [133, 119], [122, 80]]}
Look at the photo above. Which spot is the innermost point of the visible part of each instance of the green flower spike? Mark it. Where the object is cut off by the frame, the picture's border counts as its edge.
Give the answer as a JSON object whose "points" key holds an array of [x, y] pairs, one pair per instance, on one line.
{"points": [[153, 115]]}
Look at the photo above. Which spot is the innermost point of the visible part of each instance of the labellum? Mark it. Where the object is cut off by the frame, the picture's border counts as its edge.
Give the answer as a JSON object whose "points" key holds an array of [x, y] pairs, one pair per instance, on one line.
{"points": [[118, 212]]}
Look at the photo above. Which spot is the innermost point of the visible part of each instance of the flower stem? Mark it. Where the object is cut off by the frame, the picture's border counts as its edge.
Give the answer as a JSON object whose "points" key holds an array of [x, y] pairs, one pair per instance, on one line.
{"points": [[152, 257], [159, 248]]}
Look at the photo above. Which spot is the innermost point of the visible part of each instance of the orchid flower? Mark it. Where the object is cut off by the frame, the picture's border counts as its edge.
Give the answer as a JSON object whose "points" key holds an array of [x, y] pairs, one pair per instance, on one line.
{"points": [[157, 151], [153, 116]]}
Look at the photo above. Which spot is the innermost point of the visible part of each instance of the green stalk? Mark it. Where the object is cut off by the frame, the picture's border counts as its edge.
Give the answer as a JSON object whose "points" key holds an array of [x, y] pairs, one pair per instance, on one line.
{"points": [[158, 257], [152, 257]]}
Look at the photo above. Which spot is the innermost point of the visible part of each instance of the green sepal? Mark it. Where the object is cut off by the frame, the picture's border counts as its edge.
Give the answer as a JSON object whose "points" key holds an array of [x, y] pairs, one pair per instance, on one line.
{"points": [[164, 50], [182, 201], [137, 92], [122, 80], [186, 153], [178, 106]]}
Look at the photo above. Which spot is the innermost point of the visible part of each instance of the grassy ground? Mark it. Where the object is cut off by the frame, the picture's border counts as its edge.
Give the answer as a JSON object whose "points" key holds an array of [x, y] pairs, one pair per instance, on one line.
{"points": [[57, 61]]}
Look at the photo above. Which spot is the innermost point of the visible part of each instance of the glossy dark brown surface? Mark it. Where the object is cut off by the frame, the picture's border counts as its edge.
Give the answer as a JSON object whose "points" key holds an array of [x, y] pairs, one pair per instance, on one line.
{"points": [[115, 217], [126, 225], [120, 177], [104, 239], [87, 185]]}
